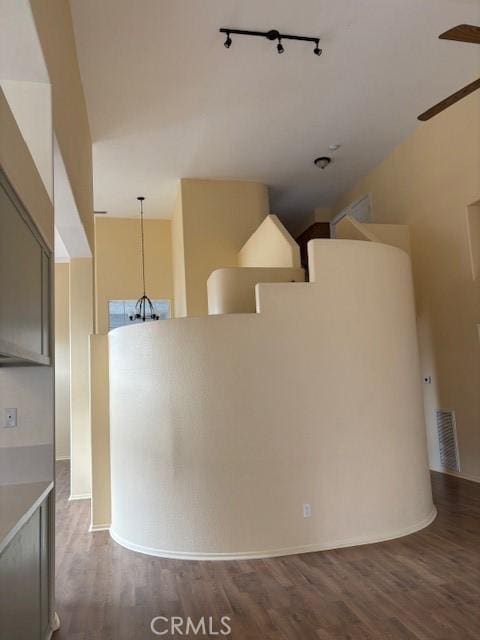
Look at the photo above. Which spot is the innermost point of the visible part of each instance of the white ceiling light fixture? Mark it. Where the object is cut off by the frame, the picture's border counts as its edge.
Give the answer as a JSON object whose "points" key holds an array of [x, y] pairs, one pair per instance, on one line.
{"points": [[322, 162]]}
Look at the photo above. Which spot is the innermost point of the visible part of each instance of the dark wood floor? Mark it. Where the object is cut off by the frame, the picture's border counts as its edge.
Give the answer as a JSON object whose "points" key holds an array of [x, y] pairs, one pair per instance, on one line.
{"points": [[425, 586]]}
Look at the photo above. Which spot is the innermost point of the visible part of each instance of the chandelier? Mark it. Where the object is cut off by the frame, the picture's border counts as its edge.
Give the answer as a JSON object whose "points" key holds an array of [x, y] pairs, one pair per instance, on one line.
{"points": [[144, 308]]}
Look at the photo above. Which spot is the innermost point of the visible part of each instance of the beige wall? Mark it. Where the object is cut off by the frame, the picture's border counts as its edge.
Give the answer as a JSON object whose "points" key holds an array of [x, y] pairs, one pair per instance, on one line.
{"points": [[81, 326], [178, 258], [62, 360], [99, 415], [350, 229], [18, 164], [55, 30], [428, 183], [222, 427], [218, 217], [270, 245], [71, 128], [398, 235], [118, 267], [31, 103], [232, 290]]}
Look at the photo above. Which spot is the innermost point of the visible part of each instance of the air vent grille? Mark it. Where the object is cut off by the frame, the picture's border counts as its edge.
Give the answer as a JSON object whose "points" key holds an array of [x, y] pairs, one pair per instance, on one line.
{"points": [[447, 439]]}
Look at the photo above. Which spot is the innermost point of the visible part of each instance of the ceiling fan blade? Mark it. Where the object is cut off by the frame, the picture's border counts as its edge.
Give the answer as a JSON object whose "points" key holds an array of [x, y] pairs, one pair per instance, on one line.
{"points": [[462, 33], [447, 102]]}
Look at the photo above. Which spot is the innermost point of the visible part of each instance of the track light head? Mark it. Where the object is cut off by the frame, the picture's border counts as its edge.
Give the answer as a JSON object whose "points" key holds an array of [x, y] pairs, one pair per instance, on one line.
{"points": [[280, 48], [317, 51], [228, 42]]}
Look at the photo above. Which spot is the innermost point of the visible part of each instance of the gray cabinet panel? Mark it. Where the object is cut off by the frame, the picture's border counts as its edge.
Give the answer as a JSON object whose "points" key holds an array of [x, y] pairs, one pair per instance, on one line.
{"points": [[24, 283], [19, 584], [25, 589]]}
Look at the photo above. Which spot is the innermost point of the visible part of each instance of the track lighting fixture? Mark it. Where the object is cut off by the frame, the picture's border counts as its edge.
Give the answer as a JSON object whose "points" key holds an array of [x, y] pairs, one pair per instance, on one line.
{"points": [[322, 162], [271, 35]]}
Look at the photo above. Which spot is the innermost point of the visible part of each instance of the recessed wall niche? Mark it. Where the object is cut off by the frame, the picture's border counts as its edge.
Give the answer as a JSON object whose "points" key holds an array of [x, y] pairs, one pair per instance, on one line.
{"points": [[473, 231]]}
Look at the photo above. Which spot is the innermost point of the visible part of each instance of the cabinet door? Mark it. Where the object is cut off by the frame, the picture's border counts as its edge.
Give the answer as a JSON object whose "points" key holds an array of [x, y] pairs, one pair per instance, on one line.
{"points": [[20, 616], [24, 283]]}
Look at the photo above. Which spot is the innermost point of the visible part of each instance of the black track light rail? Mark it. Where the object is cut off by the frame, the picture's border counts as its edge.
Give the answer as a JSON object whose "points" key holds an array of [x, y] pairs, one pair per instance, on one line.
{"points": [[271, 35]]}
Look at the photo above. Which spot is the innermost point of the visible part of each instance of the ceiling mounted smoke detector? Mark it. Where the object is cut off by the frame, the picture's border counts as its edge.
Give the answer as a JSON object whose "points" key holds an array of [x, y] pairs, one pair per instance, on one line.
{"points": [[322, 162]]}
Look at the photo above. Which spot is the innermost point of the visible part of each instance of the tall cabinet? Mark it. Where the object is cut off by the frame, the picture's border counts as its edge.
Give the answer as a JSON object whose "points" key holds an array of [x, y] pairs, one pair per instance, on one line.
{"points": [[27, 447]]}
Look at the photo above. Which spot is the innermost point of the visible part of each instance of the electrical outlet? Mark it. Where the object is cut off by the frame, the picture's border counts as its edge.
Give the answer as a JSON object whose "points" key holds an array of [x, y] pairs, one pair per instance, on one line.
{"points": [[307, 511], [10, 418]]}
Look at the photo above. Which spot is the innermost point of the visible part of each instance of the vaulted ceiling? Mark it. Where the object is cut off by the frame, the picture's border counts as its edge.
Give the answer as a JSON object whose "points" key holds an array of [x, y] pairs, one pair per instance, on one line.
{"points": [[166, 100]]}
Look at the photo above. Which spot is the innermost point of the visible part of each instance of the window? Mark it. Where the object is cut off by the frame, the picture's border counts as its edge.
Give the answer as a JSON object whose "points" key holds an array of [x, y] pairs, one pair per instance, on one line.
{"points": [[119, 310], [361, 210]]}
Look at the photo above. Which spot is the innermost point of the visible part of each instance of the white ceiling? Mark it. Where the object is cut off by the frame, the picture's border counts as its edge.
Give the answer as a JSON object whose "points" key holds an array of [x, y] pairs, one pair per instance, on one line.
{"points": [[166, 100]]}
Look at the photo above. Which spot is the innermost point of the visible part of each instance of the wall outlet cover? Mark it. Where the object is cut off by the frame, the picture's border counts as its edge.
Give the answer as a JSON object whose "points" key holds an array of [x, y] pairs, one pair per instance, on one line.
{"points": [[10, 418]]}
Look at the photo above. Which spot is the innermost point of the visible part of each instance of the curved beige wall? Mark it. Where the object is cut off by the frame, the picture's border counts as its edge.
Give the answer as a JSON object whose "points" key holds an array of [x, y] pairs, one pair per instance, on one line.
{"points": [[222, 427]]}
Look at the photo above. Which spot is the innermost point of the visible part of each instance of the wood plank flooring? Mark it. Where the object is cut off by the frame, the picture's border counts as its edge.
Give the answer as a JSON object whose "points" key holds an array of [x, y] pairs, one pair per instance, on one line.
{"points": [[425, 586]]}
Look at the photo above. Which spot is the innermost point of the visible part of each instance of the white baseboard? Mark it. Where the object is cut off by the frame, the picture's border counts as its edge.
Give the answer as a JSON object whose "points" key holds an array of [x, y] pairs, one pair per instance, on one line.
{"points": [[61, 458], [98, 527], [272, 553], [457, 474], [80, 496]]}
